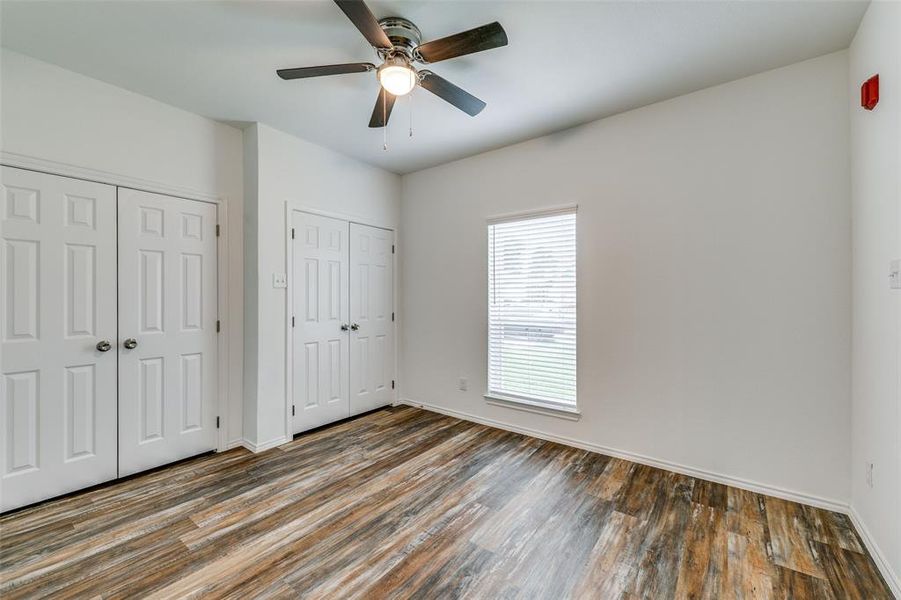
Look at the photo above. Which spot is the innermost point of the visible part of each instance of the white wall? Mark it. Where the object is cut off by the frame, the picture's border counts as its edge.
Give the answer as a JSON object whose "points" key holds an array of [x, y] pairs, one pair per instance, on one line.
{"points": [[714, 277], [251, 291], [290, 169], [52, 114], [876, 192]]}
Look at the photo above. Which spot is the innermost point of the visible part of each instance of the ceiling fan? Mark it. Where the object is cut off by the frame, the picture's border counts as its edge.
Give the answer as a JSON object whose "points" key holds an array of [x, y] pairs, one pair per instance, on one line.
{"points": [[398, 44]]}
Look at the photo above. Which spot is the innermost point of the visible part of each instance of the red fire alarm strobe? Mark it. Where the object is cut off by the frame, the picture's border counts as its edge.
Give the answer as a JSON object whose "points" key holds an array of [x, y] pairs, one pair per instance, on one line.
{"points": [[869, 93]]}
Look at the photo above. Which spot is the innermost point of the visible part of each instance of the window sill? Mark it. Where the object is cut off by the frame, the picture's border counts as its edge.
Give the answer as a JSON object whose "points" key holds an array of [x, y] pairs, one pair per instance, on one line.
{"points": [[570, 414]]}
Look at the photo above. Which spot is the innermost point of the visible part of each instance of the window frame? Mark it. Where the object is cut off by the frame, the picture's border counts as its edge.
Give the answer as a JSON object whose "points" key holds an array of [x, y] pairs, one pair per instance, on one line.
{"points": [[541, 406]]}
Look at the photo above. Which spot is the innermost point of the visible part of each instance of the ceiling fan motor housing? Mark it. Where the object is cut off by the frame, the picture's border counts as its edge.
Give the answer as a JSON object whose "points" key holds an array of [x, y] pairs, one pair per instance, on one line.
{"points": [[404, 36]]}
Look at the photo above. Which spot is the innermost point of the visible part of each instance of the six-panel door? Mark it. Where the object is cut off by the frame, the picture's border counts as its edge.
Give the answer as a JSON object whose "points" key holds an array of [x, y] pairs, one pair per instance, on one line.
{"points": [[57, 307], [320, 341], [371, 316], [167, 329]]}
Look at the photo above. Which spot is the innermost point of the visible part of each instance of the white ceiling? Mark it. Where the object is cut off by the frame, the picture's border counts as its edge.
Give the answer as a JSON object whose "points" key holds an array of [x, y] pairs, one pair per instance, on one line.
{"points": [[567, 62]]}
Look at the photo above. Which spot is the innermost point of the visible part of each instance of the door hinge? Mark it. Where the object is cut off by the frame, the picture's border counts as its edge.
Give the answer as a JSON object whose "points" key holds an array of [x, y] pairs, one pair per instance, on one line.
{"points": [[292, 410], [292, 320], [217, 229], [392, 317], [292, 233], [217, 422], [218, 326], [392, 384], [392, 248]]}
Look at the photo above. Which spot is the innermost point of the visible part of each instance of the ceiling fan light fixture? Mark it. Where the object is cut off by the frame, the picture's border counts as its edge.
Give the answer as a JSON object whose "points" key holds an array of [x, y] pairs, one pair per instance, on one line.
{"points": [[397, 77]]}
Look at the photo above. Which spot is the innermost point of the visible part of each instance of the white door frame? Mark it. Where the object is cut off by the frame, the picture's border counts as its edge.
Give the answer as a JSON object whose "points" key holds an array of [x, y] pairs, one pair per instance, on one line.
{"points": [[30, 163], [290, 207]]}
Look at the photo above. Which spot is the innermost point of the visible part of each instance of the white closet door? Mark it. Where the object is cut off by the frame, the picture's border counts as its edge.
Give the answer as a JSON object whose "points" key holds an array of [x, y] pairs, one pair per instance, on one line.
{"points": [[57, 306], [320, 341], [167, 314], [371, 306]]}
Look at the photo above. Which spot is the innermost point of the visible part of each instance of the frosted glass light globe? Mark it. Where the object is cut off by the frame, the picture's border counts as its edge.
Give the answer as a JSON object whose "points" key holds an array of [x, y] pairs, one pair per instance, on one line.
{"points": [[397, 79]]}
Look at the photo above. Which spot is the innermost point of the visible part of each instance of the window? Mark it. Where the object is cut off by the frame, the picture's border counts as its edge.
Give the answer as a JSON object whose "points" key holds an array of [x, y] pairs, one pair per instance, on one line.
{"points": [[532, 311]]}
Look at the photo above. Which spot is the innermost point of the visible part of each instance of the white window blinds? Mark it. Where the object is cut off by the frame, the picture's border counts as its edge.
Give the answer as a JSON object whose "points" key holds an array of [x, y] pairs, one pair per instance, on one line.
{"points": [[532, 309]]}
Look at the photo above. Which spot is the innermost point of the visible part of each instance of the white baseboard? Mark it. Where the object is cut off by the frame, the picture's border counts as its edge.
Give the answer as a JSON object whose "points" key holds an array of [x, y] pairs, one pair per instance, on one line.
{"points": [[255, 448], [752, 486], [892, 578], [238, 443]]}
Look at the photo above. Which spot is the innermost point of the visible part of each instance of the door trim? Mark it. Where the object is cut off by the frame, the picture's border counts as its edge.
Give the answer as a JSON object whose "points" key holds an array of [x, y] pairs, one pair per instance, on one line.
{"points": [[290, 207], [52, 167], [61, 169]]}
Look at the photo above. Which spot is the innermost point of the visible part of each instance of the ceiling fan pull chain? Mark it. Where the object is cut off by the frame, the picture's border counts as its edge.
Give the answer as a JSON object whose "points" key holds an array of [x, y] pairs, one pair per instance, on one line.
{"points": [[385, 120], [410, 96]]}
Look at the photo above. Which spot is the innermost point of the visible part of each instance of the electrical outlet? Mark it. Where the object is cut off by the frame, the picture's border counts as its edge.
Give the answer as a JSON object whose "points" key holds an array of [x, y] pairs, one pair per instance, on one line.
{"points": [[464, 384], [279, 280], [870, 467]]}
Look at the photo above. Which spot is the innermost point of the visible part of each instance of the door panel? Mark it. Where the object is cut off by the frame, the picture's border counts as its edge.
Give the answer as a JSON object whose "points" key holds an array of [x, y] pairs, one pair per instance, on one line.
{"points": [[371, 316], [58, 300], [319, 346], [168, 304]]}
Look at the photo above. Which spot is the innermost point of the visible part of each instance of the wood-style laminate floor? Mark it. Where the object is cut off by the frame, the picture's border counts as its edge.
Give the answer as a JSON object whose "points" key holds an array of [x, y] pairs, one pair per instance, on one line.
{"points": [[406, 503]]}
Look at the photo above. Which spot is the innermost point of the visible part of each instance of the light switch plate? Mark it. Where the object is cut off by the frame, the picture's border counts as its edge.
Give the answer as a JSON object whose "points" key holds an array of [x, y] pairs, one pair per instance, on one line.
{"points": [[279, 280], [894, 274]]}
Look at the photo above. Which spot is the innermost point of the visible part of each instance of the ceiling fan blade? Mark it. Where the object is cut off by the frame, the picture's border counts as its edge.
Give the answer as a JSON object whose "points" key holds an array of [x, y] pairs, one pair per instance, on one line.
{"points": [[382, 111], [365, 21], [448, 92], [481, 38], [302, 72]]}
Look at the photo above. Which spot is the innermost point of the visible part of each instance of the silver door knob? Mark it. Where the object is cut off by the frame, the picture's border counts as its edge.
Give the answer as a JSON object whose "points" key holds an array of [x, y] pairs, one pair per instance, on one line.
{"points": [[103, 346], [344, 327], [130, 343], [354, 327]]}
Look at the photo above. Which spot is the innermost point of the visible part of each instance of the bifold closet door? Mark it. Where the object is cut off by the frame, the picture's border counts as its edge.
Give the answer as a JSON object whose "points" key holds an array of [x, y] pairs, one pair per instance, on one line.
{"points": [[371, 316], [58, 313], [167, 329], [320, 308]]}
